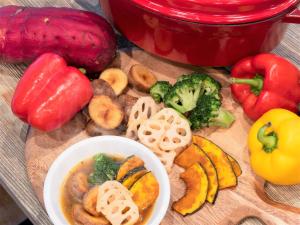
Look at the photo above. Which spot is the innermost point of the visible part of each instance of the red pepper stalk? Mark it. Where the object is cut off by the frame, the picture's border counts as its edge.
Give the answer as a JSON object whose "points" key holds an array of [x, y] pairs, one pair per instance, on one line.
{"points": [[50, 93], [264, 82]]}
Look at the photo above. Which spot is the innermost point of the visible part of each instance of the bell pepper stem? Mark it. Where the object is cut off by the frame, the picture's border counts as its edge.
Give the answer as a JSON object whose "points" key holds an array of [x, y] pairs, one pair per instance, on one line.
{"points": [[269, 141], [256, 83]]}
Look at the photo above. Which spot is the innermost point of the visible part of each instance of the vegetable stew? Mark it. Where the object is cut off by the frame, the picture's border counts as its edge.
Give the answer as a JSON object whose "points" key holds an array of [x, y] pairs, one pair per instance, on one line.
{"points": [[79, 193]]}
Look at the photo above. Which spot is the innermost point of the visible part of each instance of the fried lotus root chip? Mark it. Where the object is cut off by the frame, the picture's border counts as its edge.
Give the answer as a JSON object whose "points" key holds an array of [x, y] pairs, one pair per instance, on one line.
{"points": [[150, 133], [143, 109], [177, 133], [115, 203], [167, 158], [165, 134]]}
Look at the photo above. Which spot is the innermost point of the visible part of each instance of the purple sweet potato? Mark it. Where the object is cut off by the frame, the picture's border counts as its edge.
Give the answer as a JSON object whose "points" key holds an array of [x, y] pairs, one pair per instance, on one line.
{"points": [[83, 38]]}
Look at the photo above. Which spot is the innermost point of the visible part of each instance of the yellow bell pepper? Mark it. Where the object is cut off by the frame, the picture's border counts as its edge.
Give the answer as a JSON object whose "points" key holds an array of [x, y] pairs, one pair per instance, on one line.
{"points": [[274, 144]]}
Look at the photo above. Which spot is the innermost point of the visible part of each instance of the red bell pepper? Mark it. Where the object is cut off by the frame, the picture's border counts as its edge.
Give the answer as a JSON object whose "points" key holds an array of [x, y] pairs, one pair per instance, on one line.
{"points": [[50, 93], [264, 82]]}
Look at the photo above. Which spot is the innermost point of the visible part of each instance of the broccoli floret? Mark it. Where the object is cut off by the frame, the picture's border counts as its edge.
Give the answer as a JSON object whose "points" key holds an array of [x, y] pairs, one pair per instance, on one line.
{"points": [[159, 90], [209, 112], [104, 169], [183, 77], [212, 87], [195, 77], [183, 96], [209, 85]]}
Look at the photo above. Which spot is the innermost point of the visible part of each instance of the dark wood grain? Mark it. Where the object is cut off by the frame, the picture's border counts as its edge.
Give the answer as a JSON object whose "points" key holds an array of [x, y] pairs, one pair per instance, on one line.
{"points": [[13, 132]]}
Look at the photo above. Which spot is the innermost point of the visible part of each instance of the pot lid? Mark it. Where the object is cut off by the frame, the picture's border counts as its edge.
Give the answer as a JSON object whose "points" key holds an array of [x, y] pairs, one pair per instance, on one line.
{"points": [[218, 11]]}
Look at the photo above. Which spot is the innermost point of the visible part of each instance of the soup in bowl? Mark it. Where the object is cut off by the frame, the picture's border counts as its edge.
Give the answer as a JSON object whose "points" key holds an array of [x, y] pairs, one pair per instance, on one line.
{"points": [[107, 180]]}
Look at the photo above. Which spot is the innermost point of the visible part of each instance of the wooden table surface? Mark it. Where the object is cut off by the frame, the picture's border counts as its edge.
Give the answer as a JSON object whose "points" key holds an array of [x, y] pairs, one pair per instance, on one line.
{"points": [[13, 132]]}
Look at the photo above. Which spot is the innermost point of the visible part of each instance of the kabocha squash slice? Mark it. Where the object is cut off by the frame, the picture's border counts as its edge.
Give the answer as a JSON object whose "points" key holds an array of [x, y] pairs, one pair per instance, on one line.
{"points": [[226, 175], [129, 164], [194, 154], [145, 191], [196, 182], [235, 166], [132, 176]]}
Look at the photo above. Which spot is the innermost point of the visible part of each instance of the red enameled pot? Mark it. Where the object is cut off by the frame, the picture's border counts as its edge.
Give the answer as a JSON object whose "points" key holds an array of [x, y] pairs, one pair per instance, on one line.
{"points": [[203, 32]]}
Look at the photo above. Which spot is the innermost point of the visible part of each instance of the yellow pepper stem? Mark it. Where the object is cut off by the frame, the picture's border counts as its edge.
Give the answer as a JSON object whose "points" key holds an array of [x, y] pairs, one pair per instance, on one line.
{"points": [[269, 141]]}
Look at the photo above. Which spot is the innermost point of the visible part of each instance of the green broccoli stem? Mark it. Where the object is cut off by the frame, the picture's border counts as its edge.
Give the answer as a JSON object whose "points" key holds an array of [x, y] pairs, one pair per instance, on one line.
{"points": [[224, 119], [256, 83], [269, 141]]}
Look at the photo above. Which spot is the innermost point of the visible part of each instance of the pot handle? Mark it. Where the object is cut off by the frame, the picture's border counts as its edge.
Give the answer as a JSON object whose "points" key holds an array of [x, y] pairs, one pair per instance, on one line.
{"points": [[293, 17]]}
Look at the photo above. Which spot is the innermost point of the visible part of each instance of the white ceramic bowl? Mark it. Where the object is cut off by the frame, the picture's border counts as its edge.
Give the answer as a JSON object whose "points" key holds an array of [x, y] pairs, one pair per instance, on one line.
{"points": [[103, 144]]}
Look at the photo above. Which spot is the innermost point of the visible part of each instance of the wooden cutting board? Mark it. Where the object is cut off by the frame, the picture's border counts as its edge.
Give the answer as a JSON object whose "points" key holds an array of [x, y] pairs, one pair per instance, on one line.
{"points": [[246, 200]]}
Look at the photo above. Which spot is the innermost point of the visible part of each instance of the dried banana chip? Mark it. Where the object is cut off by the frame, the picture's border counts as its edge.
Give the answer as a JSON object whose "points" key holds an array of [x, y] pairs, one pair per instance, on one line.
{"points": [[143, 109], [115, 203]]}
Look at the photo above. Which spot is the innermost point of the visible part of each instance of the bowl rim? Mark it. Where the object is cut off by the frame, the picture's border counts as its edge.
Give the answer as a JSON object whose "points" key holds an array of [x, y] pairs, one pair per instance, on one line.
{"points": [[166, 195]]}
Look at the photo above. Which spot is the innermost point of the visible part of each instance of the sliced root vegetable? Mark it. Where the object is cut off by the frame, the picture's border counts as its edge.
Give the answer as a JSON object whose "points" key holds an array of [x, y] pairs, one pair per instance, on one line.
{"points": [[106, 112], [165, 134], [116, 78], [93, 130], [141, 78], [130, 163], [226, 175], [166, 130], [115, 203], [193, 154], [127, 102], [143, 109], [196, 182], [235, 166], [145, 191], [166, 158], [101, 87], [85, 114], [151, 132], [177, 134]]}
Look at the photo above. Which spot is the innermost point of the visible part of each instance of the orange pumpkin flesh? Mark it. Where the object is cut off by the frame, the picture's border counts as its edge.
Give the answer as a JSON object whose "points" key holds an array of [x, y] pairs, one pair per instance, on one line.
{"points": [[226, 175], [196, 182], [194, 154], [235, 166], [129, 164], [145, 191]]}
